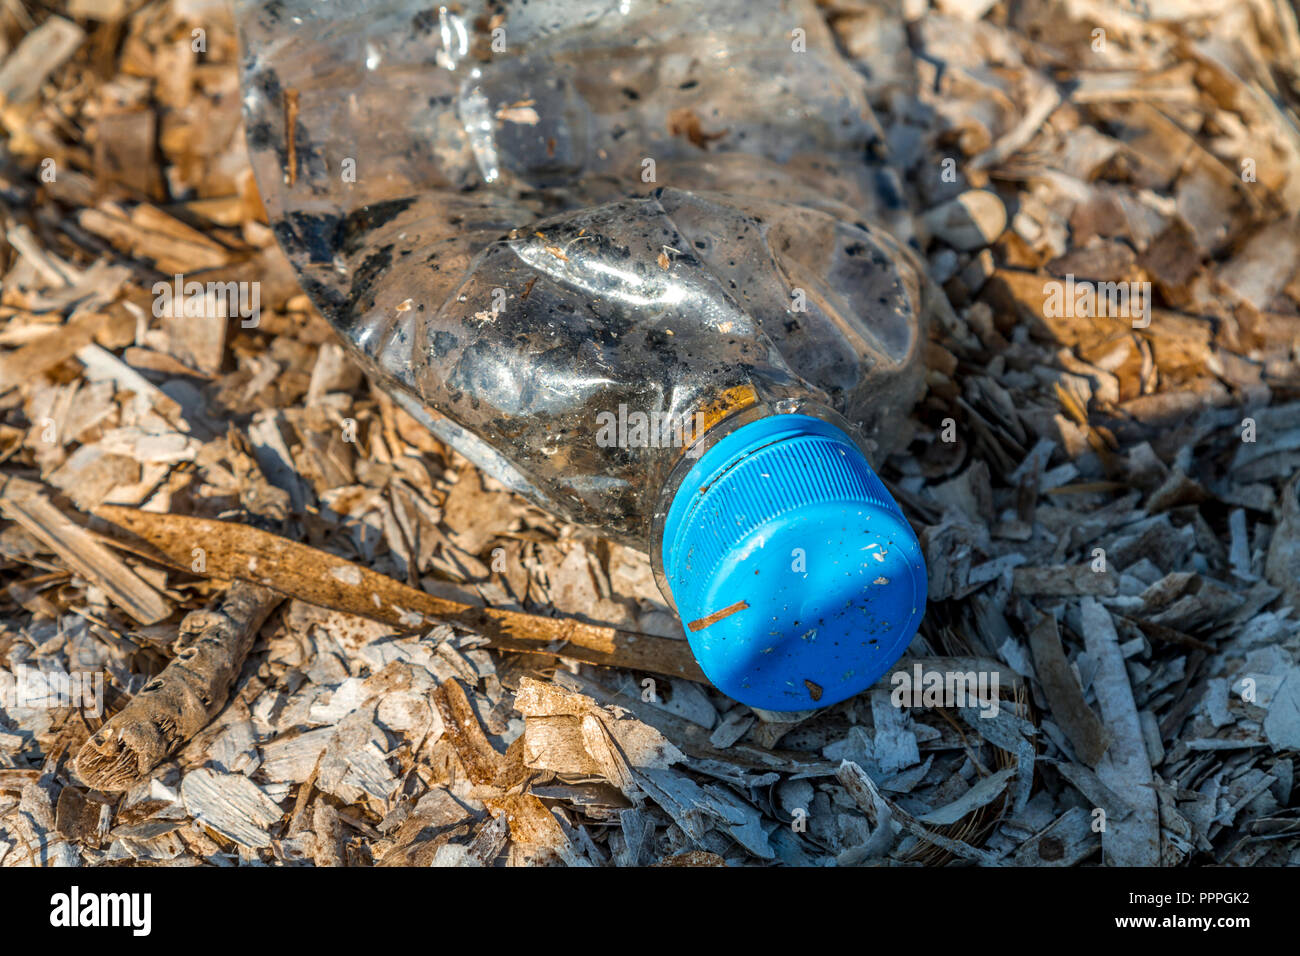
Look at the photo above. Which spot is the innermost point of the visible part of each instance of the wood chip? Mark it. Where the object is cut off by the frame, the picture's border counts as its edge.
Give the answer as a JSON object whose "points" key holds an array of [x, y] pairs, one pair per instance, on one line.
{"points": [[1135, 839], [1085, 731], [230, 805], [42, 52], [82, 552]]}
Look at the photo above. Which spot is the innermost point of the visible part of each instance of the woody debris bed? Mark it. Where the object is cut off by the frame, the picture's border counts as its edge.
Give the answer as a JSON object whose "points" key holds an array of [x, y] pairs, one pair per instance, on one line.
{"points": [[253, 613]]}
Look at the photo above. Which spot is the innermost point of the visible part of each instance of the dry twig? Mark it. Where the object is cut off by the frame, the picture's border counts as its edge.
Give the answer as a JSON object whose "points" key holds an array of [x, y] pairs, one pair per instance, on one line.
{"points": [[180, 701]]}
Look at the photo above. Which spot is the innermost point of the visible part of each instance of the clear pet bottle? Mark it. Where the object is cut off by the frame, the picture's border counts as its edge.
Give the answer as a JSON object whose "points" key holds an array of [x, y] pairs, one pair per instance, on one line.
{"points": [[628, 257]]}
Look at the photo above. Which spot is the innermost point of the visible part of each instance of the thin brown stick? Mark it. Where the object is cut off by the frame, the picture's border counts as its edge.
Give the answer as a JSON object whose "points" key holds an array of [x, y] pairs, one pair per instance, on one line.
{"points": [[236, 551]]}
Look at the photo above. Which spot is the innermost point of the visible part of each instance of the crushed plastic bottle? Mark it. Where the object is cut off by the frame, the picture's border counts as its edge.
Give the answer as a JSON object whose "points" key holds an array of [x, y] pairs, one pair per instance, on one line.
{"points": [[622, 255]]}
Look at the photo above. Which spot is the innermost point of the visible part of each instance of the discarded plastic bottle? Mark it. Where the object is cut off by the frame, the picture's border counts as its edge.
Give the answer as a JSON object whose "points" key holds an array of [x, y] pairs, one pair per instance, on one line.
{"points": [[618, 253]]}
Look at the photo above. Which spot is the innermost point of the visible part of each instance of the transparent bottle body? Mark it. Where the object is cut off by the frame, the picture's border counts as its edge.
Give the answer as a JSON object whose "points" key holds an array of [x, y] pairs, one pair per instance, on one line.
{"points": [[574, 237]]}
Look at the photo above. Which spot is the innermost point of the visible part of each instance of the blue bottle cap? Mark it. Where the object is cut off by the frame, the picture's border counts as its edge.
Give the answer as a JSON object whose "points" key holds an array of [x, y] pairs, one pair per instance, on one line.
{"points": [[797, 578]]}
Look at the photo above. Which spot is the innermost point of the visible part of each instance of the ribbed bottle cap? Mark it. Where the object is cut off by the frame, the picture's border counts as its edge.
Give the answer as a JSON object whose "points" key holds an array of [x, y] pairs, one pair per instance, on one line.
{"points": [[797, 578]]}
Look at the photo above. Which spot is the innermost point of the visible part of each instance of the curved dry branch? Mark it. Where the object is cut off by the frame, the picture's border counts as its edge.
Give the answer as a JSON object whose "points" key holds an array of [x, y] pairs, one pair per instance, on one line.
{"points": [[180, 701]]}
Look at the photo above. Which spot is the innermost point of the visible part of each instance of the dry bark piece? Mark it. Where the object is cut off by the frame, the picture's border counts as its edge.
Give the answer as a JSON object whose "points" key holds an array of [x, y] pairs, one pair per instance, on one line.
{"points": [[180, 701]]}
